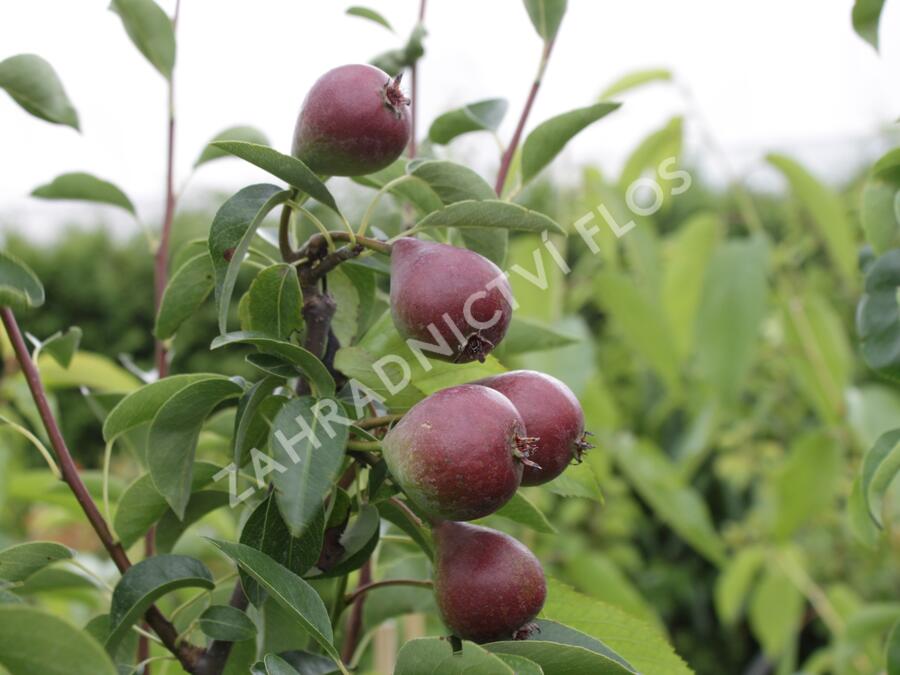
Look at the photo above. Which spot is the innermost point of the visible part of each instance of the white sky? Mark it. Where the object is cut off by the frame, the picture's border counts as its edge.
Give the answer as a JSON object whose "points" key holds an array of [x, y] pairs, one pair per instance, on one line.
{"points": [[787, 75]]}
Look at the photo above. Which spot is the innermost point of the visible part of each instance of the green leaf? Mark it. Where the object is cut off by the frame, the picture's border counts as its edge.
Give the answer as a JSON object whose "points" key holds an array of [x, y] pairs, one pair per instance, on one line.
{"points": [[370, 14], [880, 466], [878, 316], [520, 510], [275, 302], [526, 335], [454, 183], [239, 133], [289, 169], [490, 213], [141, 405], [818, 353], [289, 591], [888, 166], [776, 610], [877, 214], [675, 503], [230, 234], [346, 293], [858, 517], [173, 434], [479, 116], [395, 60], [34, 85], [86, 369], [436, 656], [546, 16], [318, 375], [229, 624], [556, 658], [84, 187], [275, 665], [827, 212], [140, 505], [634, 80], [687, 254], [892, 651], [186, 291], [662, 144], [310, 447], [266, 531], [735, 582], [19, 286], [641, 324], [416, 192], [866, 16], [548, 139], [639, 643], [19, 562], [250, 424], [32, 642], [151, 31], [98, 628], [358, 541], [731, 312], [577, 481], [521, 665], [394, 514], [62, 346], [146, 582], [806, 484], [170, 527]]}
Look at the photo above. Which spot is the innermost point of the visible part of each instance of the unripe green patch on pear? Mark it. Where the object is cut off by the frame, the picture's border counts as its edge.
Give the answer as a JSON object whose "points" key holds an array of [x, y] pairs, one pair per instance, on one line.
{"points": [[488, 586], [354, 121], [449, 297], [552, 415], [458, 454]]}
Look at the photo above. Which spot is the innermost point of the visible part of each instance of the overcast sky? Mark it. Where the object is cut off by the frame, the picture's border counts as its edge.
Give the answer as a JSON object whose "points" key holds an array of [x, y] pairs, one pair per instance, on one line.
{"points": [[787, 75]]}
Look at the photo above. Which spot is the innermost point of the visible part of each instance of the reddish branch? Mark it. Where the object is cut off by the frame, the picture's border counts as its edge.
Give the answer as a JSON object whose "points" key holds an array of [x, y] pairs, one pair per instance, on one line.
{"points": [[510, 152], [160, 279], [362, 590], [186, 653], [354, 624], [414, 104]]}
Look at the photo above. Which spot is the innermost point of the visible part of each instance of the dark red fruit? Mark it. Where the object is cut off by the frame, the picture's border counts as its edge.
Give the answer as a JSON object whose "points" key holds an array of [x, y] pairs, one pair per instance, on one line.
{"points": [[458, 453], [448, 297], [488, 586], [354, 121], [551, 414]]}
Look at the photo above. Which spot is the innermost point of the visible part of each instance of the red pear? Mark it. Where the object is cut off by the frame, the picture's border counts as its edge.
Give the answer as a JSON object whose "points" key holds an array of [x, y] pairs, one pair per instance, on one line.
{"points": [[488, 586], [448, 297], [458, 453], [552, 415], [354, 121]]}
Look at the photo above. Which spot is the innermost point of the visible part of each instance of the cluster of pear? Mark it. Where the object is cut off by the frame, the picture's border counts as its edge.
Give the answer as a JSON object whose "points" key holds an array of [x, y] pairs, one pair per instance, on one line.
{"points": [[461, 453]]}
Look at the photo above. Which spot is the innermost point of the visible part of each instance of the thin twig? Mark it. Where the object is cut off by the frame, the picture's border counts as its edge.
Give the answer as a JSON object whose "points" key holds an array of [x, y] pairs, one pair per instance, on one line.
{"points": [[413, 93], [375, 422], [355, 623], [506, 161], [160, 279], [362, 590], [186, 653]]}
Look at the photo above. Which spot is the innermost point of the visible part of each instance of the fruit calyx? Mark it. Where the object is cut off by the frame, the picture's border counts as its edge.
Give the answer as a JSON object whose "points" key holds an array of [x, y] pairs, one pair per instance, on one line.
{"points": [[582, 445], [526, 631], [477, 347], [524, 447], [394, 98]]}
